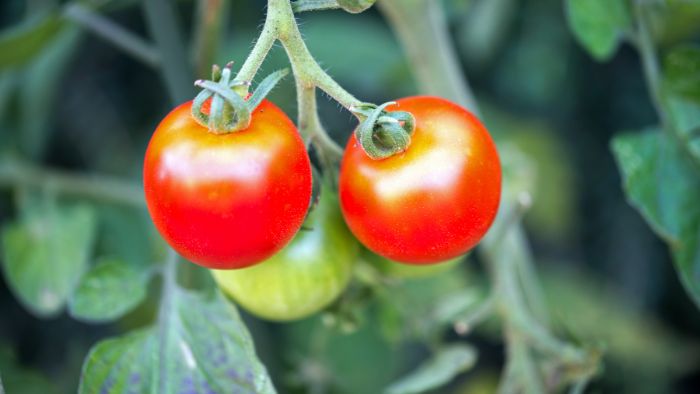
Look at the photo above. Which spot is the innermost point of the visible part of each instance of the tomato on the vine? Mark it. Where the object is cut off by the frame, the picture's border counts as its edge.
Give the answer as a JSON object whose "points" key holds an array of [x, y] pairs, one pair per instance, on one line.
{"points": [[227, 200], [307, 275], [432, 202]]}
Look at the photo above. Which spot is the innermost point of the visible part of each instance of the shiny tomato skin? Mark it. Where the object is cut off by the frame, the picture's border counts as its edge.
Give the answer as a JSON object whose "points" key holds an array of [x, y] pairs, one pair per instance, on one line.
{"points": [[231, 200], [432, 202], [305, 276]]}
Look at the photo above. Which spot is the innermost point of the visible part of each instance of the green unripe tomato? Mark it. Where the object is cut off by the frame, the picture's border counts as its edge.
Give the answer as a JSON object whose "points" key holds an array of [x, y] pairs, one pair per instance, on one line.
{"points": [[303, 278], [408, 271], [355, 6]]}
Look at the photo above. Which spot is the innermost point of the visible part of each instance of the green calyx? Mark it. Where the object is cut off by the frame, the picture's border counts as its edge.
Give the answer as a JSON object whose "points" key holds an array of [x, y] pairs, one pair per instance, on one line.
{"points": [[355, 6], [229, 111], [383, 134]]}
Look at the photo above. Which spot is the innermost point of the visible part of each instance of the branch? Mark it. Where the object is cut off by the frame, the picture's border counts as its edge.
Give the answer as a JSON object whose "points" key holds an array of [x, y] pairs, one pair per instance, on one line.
{"points": [[209, 25], [100, 188], [422, 30], [162, 22], [115, 34]]}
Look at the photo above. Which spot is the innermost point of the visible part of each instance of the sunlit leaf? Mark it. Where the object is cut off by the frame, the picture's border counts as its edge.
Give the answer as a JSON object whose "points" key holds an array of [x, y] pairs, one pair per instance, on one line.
{"points": [[108, 291], [664, 184], [45, 254], [682, 71], [449, 362], [599, 25], [200, 345]]}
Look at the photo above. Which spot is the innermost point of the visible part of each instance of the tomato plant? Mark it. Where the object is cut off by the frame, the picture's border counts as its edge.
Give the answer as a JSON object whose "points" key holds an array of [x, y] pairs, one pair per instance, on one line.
{"points": [[409, 271], [228, 183], [305, 276], [227, 200], [432, 202]]}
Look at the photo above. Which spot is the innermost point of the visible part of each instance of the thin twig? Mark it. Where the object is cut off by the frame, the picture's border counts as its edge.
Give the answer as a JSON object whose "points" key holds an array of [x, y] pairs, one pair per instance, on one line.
{"points": [[163, 24], [422, 29], [120, 37], [100, 188], [208, 28]]}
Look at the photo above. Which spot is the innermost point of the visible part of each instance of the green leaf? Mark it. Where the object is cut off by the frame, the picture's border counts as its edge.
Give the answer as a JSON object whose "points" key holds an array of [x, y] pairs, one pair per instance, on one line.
{"points": [[108, 291], [674, 20], [664, 185], [599, 25], [684, 117], [580, 300], [682, 71], [199, 346], [20, 43], [439, 370], [46, 253]]}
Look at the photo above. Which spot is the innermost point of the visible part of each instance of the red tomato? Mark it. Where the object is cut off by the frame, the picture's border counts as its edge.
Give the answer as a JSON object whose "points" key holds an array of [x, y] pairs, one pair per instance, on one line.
{"points": [[434, 201], [231, 200]]}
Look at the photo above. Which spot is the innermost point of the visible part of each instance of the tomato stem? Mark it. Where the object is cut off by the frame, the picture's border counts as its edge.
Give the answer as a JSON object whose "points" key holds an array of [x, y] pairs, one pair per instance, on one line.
{"points": [[422, 30], [281, 25]]}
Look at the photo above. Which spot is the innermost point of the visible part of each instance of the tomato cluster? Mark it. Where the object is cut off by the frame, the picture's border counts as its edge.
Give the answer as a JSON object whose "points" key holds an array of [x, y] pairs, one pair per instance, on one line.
{"points": [[235, 202]]}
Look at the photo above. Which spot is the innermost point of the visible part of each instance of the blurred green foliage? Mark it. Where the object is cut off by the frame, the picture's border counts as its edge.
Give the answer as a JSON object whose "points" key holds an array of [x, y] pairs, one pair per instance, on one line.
{"points": [[70, 100]]}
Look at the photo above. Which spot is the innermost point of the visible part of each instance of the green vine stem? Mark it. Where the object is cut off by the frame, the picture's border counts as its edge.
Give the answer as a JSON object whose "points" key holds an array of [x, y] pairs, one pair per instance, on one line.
{"points": [[112, 32], [163, 25], [644, 41], [208, 29], [166, 310], [281, 25], [100, 188], [422, 30]]}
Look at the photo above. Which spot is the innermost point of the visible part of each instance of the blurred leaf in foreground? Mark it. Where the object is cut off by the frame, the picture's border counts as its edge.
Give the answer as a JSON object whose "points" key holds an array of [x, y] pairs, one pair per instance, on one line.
{"points": [[19, 380], [46, 253], [20, 43], [682, 71], [681, 95], [447, 363], [641, 354], [108, 291], [200, 345], [599, 25], [664, 185]]}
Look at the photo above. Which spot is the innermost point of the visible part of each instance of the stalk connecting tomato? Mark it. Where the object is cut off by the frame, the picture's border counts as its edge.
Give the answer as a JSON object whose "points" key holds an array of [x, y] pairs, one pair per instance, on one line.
{"points": [[227, 200], [432, 202]]}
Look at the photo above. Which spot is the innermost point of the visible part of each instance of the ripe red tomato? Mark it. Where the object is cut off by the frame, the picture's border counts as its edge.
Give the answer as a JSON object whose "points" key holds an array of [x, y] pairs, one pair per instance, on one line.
{"points": [[305, 276], [434, 201], [227, 200]]}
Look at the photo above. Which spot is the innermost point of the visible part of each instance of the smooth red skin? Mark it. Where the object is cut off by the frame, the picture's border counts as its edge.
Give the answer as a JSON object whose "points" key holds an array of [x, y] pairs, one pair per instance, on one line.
{"points": [[227, 201], [433, 202]]}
